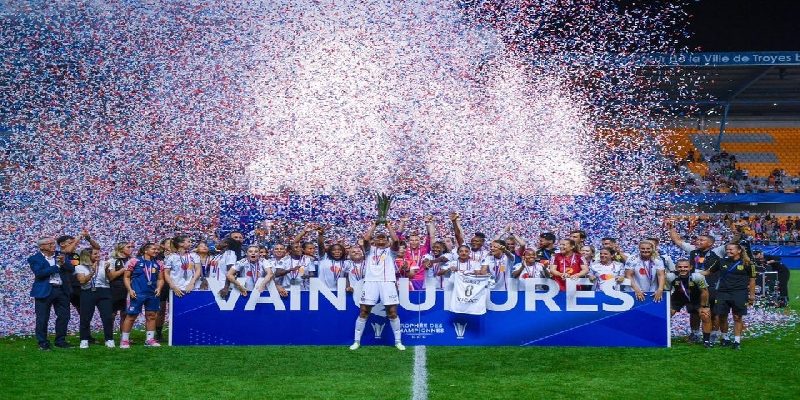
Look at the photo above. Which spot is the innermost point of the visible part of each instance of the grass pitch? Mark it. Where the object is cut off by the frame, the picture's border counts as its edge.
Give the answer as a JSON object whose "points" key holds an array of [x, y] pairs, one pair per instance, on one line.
{"points": [[766, 367]]}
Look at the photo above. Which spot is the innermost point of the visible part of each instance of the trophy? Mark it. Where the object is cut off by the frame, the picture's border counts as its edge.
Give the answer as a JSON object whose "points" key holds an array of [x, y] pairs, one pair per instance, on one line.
{"points": [[383, 202]]}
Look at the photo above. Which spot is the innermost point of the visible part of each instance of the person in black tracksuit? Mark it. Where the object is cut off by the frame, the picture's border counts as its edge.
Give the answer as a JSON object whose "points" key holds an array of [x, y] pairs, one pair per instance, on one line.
{"points": [[735, 290], [703, 258]]}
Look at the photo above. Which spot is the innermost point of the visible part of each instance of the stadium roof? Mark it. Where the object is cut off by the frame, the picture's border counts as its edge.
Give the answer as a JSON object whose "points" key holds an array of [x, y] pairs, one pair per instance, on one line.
{"points": [[749, 84]]}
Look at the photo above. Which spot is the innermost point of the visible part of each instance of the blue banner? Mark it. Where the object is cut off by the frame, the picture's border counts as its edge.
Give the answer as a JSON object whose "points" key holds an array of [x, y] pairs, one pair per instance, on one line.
{"points": [[720, 59], [737, 198], [516, 318]]}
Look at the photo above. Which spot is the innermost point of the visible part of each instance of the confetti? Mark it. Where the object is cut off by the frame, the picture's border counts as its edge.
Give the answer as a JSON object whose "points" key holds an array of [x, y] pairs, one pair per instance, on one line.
{"points": [[139, 120]]}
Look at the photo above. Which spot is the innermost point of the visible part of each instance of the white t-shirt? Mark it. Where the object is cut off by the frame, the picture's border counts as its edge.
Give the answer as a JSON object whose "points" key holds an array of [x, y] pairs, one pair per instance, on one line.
{"points": [[181, 268], [474, 255], [537, 270], [499, 269], [645, 272], [463, 266], [331, 270], [100, 280], [280, 264], [355, 270], [220, 265], [433, 271], [469, 294], [300, 276], [607, 274], [380, 265], [251, 271]]}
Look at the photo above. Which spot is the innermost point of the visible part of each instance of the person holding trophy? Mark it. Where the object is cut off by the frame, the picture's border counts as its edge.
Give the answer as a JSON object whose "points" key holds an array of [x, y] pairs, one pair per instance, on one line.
{"points": [[380, 281]]}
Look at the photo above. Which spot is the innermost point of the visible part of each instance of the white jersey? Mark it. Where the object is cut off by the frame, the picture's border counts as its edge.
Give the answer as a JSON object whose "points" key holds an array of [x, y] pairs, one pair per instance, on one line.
{"points": [[181, 268], [474, 255], [251, 271], [331, 270], [433, 271], [537, 270], [355, 270], [463, 266], [99, 280], [276, 264], [469, 294], [380, 265], [499, 269], [299, 277], [606, 274], [219, 265], [645, 272]]}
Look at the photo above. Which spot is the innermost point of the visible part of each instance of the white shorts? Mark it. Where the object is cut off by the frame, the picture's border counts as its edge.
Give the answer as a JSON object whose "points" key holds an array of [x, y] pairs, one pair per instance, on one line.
{"points": [[385, 292]]}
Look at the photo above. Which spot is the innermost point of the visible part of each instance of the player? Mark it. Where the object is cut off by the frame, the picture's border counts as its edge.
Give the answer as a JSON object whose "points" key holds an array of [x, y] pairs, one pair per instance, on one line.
{"points": [[646, 272], [529, 268], [498, 264], [380, 284], [144, 279], [567, 264], [606, 273]]}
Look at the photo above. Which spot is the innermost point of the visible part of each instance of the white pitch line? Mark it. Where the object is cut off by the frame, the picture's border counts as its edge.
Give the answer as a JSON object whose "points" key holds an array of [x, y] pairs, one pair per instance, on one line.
{"points": [[419, 384]]}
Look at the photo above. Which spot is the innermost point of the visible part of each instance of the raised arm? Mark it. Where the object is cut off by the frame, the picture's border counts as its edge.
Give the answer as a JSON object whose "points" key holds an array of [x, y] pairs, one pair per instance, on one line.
{"points": [[457, 231], [673, 234], [92, 242], [431, 227], [401, 226], [368, 234], [300, 235], [393, 235]]}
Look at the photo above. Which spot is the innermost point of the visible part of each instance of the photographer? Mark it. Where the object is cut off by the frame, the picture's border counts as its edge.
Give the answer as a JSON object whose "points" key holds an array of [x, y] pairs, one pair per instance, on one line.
{"points": [[774, 264]]}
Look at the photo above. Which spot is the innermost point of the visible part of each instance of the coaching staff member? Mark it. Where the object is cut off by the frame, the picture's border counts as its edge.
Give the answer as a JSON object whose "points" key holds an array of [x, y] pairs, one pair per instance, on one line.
{"points": [[51, 288]]}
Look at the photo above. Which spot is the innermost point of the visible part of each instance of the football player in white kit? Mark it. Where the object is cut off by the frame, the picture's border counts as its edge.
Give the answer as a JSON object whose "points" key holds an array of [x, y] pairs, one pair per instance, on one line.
{"points": [[380, 283]]}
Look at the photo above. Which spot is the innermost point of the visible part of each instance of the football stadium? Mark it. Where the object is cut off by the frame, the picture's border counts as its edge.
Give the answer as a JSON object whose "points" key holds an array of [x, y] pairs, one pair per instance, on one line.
{"points": [[381, 199]]}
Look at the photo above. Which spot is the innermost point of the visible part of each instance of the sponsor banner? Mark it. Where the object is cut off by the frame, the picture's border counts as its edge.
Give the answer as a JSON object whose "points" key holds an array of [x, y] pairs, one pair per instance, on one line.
{"points": [[515, 318]]}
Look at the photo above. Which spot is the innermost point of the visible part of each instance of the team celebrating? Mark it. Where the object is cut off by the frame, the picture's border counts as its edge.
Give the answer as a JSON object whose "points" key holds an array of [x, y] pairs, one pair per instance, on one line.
{"points": [[711, 282]]}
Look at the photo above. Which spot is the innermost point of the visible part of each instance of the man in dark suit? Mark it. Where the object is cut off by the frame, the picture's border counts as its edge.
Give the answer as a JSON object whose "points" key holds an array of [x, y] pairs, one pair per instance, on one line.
{"points": [[51, 288]]}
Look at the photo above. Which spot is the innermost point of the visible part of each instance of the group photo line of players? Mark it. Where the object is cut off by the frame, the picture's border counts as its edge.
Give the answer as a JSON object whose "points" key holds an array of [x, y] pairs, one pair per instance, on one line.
{"points": [[711, 282]]}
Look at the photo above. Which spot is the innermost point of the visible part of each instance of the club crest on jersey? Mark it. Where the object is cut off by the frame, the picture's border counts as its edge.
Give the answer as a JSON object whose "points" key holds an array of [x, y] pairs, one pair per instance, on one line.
{"points": [[740, 268], [378, 328], [460, 329]]}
